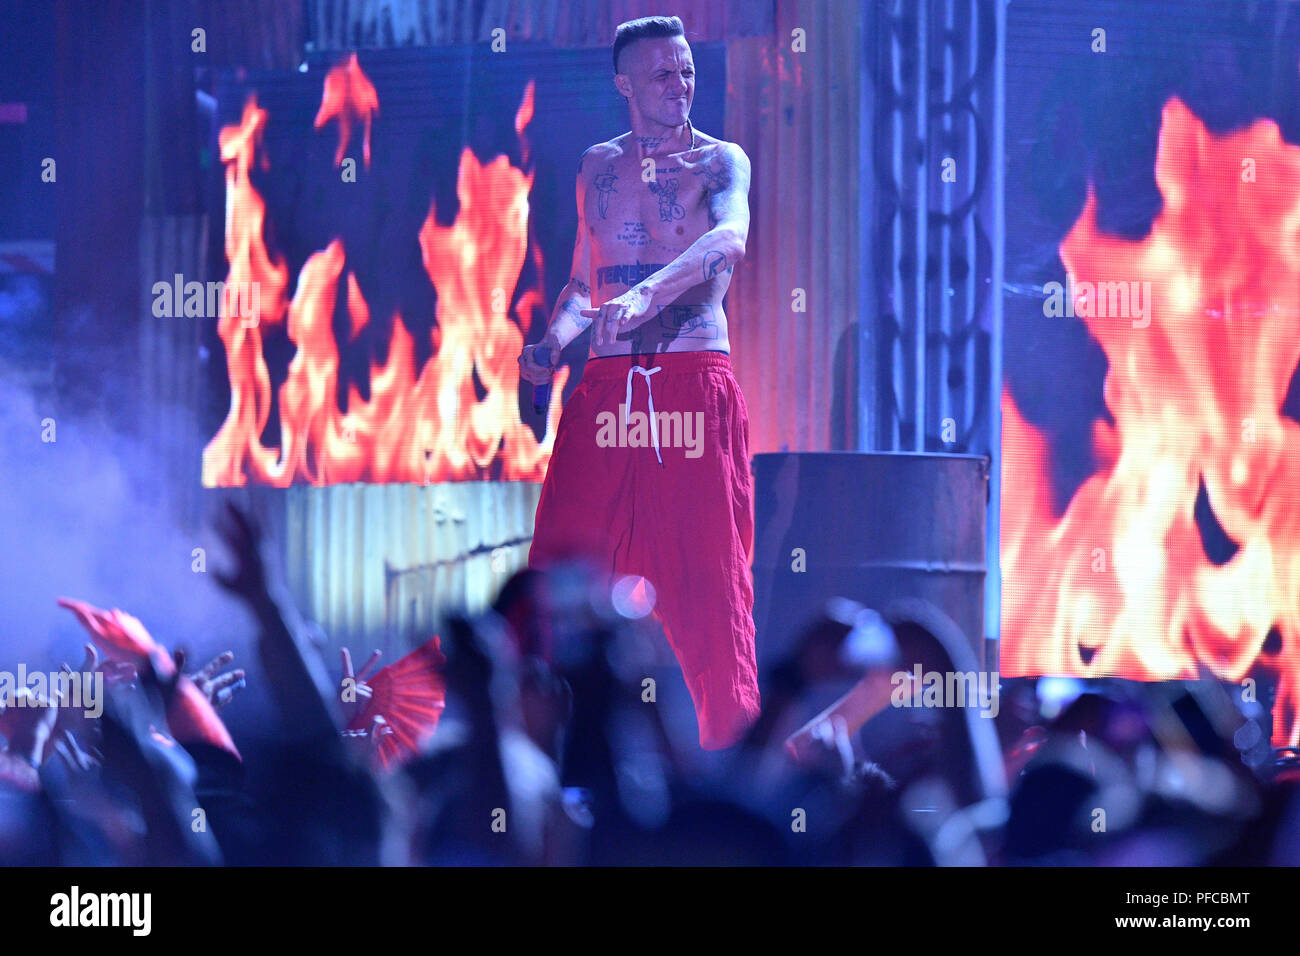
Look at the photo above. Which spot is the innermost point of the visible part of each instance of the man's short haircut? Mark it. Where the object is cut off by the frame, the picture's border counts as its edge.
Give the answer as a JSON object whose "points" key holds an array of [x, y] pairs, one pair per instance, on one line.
{"points": [[645, 28]]}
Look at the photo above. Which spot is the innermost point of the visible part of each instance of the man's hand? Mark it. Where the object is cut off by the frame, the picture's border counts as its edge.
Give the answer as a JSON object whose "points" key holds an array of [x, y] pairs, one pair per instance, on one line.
{"points": [[826, 748], [242, 533], [217, 687], [28, 725], [354, 684], [80, 760], [627, 311], [116, 673], [533, 371]]}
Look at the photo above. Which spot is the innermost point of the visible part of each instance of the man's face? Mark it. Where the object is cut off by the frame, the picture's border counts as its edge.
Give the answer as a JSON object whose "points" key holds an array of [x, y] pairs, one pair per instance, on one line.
{"points": [[660, 78]]}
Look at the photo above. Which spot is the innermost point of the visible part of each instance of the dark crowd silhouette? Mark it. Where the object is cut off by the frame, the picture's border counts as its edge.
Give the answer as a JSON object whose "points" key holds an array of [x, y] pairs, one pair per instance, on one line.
{"points": [[525, 735]]}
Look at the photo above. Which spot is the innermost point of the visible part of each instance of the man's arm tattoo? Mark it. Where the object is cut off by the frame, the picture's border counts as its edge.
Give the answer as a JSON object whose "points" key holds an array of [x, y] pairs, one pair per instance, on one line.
{"points": [[574, 311], [717, 174], [714, 262]]}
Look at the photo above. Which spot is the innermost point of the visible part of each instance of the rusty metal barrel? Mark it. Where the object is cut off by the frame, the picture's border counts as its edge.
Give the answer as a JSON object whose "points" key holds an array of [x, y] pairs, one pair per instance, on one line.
{"points": [[870, 526]]}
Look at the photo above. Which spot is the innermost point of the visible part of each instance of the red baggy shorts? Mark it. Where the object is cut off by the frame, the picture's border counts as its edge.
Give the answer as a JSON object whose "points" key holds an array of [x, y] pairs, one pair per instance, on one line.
{"points": [[679, 514]]}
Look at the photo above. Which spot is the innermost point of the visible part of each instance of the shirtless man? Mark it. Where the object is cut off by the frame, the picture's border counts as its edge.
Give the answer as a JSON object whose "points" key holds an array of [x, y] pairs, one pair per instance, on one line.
{"points": [[663, 218]]}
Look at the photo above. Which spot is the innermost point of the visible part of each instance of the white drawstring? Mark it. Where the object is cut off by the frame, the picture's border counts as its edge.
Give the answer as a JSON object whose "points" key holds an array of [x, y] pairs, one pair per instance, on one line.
{"points": [[627, 404]]}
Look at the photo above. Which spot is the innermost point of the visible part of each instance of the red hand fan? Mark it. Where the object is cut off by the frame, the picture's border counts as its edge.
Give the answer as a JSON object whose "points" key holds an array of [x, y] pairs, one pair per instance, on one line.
{"points": [[409, 695]]}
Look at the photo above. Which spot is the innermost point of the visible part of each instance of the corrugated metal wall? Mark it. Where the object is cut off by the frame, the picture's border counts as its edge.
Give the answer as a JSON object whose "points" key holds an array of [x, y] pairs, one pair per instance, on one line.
{"points": [[797, 116], [169, 358], [379, 563]]}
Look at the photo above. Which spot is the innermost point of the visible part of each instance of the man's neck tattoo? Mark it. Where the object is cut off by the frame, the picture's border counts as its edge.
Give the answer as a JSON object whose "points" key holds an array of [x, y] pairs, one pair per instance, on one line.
{"points": [[649, 143]]}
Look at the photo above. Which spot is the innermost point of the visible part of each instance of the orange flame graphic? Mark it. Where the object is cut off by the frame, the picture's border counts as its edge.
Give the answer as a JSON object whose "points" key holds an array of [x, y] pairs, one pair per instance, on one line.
{"points": [[1120, 584], [420, 425], [348, 94]]}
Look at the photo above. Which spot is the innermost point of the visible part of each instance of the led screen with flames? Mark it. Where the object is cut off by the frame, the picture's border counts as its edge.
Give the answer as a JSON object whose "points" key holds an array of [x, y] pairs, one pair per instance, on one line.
{"points": [[404, 244], [420, 427], [1166, 546]]}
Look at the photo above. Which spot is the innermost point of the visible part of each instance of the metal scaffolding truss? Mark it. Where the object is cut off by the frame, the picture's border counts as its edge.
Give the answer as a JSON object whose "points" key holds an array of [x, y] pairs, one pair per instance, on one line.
{"points": [[933, 235]]}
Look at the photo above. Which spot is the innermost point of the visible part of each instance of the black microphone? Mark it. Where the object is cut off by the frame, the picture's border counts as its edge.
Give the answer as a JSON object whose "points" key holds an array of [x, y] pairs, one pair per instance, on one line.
{"points": [[542, 393]]}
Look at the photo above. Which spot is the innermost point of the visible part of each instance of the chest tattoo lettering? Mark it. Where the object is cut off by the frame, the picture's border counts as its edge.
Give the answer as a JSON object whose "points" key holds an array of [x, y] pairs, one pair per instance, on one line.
{"points": [[634, 234]]}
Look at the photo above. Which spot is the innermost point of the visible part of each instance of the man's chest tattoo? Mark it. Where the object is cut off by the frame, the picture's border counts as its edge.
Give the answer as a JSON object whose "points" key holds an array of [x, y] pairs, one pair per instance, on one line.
{"points": [[670, 210], [604, 186], [634, 234]]}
